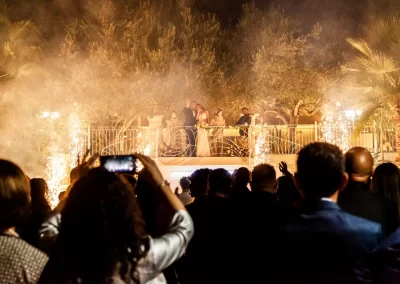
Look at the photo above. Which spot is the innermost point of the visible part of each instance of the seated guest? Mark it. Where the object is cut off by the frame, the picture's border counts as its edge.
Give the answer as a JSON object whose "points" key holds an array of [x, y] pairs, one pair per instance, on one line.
{"points": [[102, 240], [19, 261], [324, 244], [358, 200]]}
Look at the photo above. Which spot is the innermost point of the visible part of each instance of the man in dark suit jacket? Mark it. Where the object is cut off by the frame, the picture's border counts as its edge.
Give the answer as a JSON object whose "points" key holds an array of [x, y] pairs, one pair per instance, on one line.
{"points": [[244, 122], [190, 127], [325, 244], [357, 199], [387, 260]]}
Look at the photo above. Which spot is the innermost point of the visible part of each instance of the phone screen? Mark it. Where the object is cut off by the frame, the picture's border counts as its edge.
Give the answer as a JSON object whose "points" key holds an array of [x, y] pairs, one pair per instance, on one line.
{"points": [[119, 164]]}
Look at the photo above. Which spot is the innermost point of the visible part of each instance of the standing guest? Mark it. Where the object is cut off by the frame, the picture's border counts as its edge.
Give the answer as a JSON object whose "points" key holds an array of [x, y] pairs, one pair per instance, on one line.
{"points": [[19, 261], [202, 145], [358, 200], [101, 239], [325, 244], [386, 181], [40, 209], [244, 122], [61, 196], [185, 197], [173, 131], [218, 122], [190, 127], [241, 180]]}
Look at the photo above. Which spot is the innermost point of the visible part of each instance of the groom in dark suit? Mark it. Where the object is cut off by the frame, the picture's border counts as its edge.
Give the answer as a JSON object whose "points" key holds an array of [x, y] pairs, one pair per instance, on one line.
{"points": [[190, 127], [325, 244]]}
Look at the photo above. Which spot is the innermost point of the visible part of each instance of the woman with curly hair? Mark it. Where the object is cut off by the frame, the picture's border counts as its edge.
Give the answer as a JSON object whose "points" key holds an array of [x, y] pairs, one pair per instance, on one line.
{"points": [[102, 240], [19, 261]]}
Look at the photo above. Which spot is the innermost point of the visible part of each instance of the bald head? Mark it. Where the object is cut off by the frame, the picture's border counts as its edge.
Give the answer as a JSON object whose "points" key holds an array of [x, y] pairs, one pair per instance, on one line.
{"points": [[359, 164]]}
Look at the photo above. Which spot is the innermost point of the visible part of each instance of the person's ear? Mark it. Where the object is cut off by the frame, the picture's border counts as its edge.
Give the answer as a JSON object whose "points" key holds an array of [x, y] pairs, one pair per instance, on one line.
{"points": [[298, 185], [343, 184]]}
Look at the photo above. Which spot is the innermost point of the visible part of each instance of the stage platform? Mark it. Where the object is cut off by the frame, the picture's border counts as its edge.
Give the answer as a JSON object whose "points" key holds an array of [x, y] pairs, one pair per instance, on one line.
{"points": [[173, 168]]}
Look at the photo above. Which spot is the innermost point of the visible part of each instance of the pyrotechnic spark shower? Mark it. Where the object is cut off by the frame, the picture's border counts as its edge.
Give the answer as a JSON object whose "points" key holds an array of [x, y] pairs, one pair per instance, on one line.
{"points": [[338, 125], [57, 168], [261, 149], [62, 159], [75, 139]]}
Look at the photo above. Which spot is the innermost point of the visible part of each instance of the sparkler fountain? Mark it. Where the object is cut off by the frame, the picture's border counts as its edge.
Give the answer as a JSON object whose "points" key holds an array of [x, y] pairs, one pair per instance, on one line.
{"points": [[261, 149], [62, 158], [338, 125]]}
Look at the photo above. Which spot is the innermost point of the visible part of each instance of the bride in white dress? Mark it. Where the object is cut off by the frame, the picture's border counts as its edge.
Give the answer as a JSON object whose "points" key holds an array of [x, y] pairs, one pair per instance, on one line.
{"points": [[203, 148]]}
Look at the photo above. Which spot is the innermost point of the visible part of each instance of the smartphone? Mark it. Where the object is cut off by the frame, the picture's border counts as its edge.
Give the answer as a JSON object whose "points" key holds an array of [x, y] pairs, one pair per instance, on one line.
{"points": [[125, 164]]}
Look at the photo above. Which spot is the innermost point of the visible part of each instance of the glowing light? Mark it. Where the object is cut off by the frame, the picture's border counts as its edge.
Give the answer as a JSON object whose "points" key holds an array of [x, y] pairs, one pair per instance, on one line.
{"points": [[147, 150], [75, 139], [50, 115], [338, 125], [261, 149], [54, 115]]}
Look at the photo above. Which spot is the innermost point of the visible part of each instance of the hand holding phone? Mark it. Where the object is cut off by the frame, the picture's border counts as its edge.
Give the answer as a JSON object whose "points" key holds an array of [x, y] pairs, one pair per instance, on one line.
{"points": [[124, 164]]}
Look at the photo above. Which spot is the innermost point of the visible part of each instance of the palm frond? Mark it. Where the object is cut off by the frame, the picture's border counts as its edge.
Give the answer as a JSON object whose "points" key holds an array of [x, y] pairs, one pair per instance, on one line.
{"points": [[364, 119], [361, 46], [387, 30]]}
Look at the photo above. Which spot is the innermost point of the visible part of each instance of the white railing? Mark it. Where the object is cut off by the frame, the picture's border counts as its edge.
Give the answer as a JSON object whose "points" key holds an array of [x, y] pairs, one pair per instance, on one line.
{"points": [[180, 141]]}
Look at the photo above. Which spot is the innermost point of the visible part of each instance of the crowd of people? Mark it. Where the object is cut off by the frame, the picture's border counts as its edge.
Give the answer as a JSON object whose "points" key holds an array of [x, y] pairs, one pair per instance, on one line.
{"points": [[334, 221]]}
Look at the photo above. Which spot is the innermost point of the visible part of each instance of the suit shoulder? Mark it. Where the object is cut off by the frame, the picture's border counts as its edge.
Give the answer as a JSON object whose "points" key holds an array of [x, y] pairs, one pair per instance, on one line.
{"points": [[361, 224]]}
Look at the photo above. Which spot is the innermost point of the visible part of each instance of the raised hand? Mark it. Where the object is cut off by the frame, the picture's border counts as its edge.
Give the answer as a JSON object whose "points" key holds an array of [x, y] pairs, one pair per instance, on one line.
{"points": [[284, 169], [150, 171], [85, 165]]}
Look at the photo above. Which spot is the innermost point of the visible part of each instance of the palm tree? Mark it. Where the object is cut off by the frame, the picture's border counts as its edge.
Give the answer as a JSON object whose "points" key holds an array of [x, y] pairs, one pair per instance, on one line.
{"points": [[19, 48], [376, 78]]}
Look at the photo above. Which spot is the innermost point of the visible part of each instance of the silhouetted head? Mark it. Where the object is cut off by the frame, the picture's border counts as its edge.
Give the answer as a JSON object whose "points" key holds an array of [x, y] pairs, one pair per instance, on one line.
{"points": [[73, 175], [263, 178], [198, 182], [184, 182], [102, 227], [61, 195], [219, 182], [359, 164], [386, 181], [245, 110], [39, 191], [39, 188], [14, 195], [320, 170], [241, 177]]}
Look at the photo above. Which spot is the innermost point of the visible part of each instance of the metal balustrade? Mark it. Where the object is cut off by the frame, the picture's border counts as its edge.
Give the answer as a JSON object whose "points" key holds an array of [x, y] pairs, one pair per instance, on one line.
{"points": [[182, 141]]}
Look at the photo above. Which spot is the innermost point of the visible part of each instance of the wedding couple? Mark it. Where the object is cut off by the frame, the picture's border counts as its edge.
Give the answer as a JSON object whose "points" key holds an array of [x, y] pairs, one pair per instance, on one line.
{"points": [[196, 119]]}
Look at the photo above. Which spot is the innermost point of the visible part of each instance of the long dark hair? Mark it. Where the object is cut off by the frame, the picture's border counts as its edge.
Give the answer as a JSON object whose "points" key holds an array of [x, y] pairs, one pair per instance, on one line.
{"points": [[386, 181], [14, 195], [101, 230], [39, 191]]}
